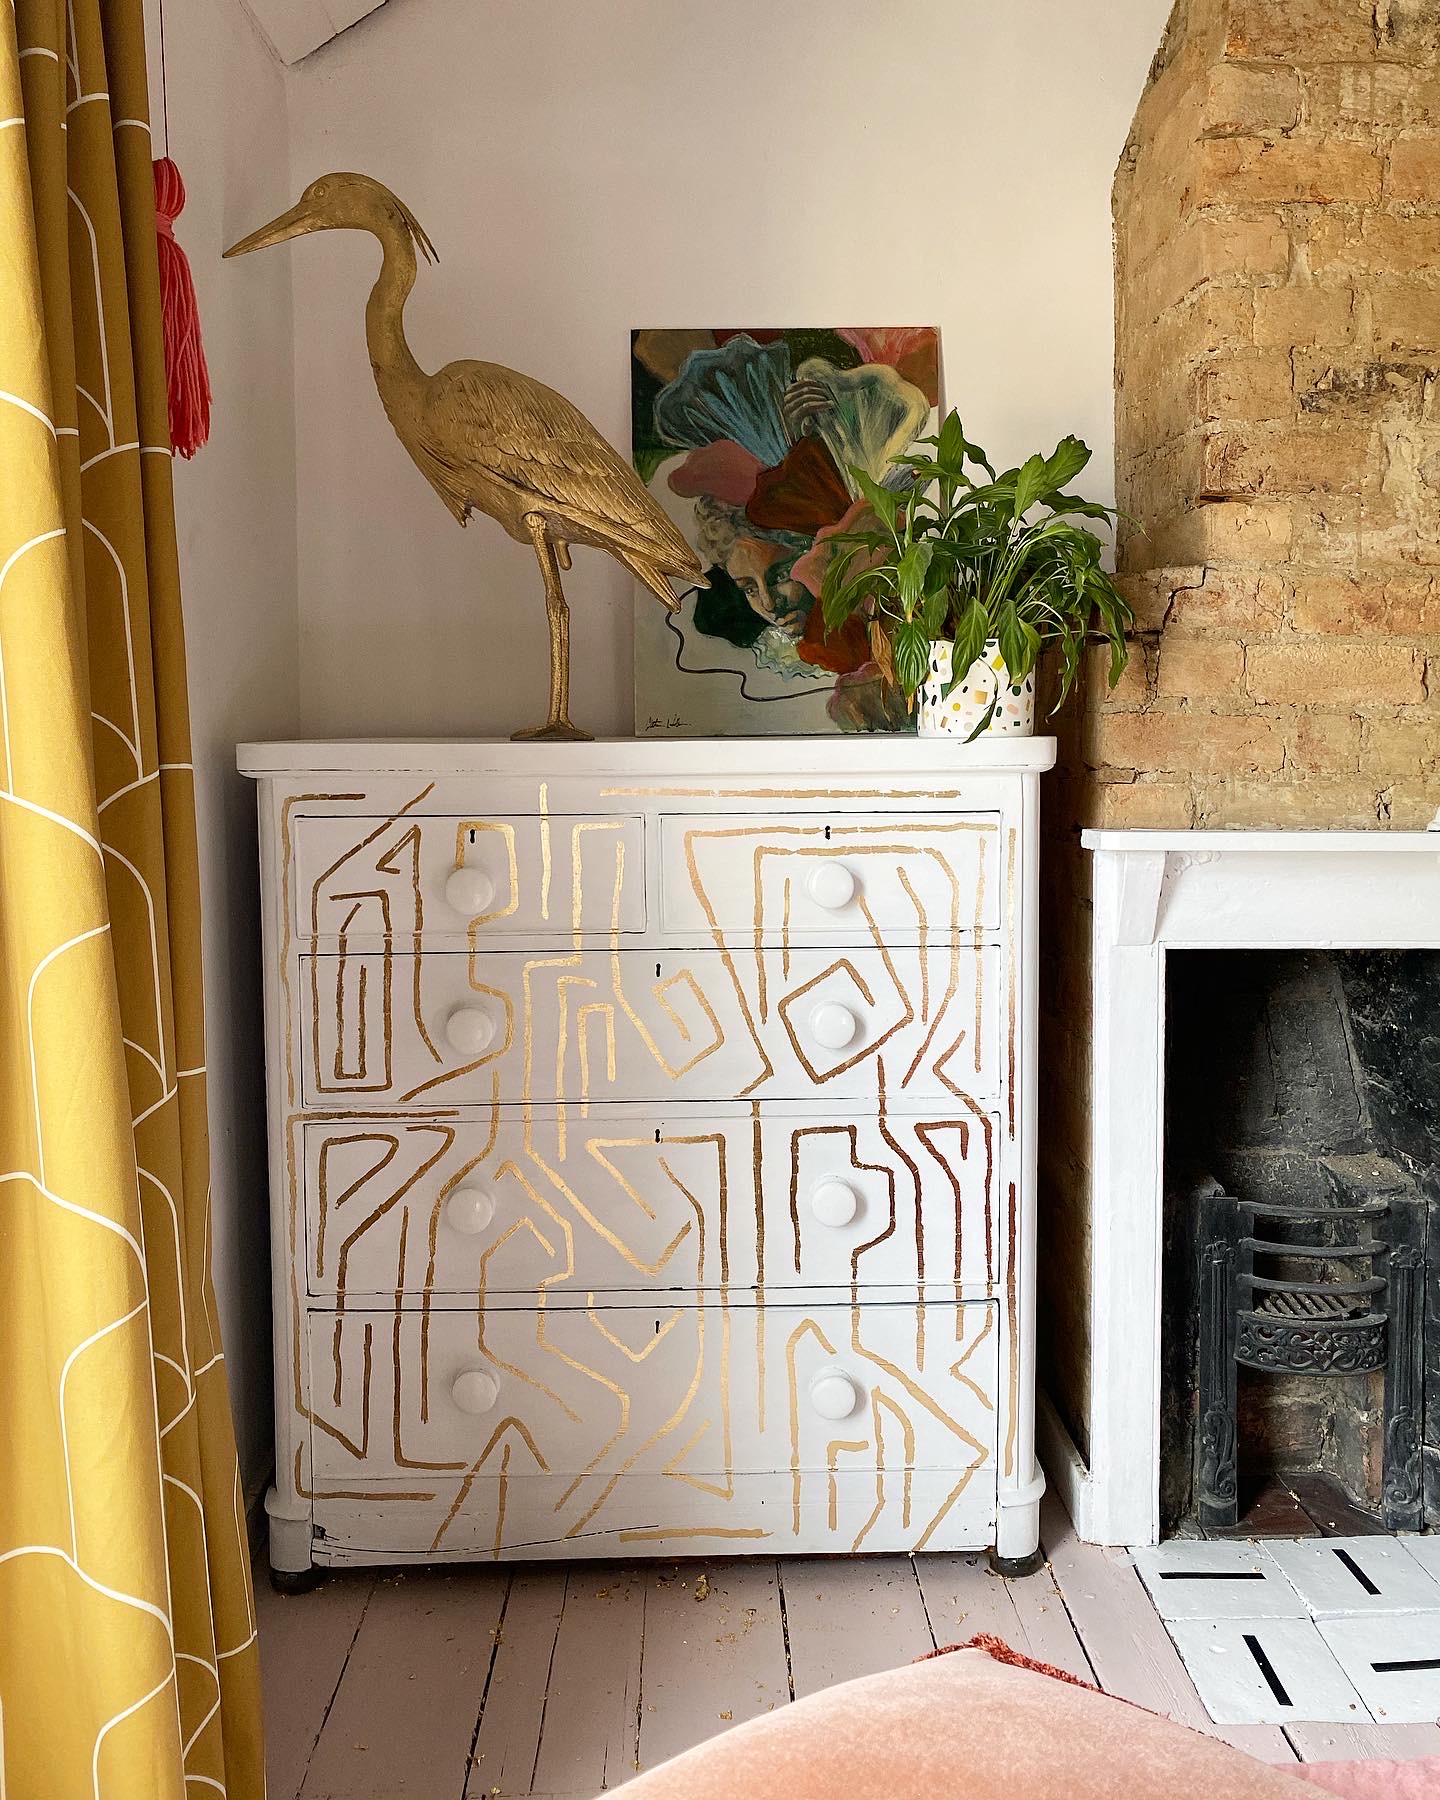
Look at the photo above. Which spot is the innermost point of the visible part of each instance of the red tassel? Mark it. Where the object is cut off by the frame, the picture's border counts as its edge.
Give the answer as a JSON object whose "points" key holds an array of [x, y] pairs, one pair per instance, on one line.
{"points": [[187, 380]]}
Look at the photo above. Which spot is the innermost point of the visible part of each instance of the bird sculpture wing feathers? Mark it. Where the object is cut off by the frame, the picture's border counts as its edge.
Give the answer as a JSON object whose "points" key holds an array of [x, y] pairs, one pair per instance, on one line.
{"points": [[481, 418]]}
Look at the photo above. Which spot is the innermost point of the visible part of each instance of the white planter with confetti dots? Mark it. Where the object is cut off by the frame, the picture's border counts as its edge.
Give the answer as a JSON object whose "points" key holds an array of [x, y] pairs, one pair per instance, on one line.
{"points": [[983, 703]]}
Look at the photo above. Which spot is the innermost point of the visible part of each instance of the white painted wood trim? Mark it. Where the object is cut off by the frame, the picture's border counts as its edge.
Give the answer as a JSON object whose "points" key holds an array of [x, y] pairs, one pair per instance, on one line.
{"points": [[1203, 890], [1127, 1151], [1266, 843], [1019, 1493], [1063, 1464], [287, 1508], [716, 765]]}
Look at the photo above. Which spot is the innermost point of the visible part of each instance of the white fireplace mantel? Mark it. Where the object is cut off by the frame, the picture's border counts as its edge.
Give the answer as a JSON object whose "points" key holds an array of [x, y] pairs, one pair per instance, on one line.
{"points": [[1156, 891]]}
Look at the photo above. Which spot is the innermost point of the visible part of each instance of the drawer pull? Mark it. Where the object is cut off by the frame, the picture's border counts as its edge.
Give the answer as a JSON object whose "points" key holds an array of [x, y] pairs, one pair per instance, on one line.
{"points": [[834, 1203], [833, 1394], [469, 892], [469, 1209], [833, 1026], [831, 884], [475, 1391], [469, 1030]]}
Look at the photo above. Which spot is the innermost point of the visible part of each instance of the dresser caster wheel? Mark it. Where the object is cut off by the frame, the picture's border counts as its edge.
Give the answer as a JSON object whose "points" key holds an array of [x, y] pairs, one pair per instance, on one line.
{"points": [[1013, 1567], [296, 1581]]}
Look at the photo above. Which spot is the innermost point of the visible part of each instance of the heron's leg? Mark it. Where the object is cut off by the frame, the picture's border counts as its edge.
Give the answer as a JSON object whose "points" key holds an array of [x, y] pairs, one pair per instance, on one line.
{"points": [[557, 614]]}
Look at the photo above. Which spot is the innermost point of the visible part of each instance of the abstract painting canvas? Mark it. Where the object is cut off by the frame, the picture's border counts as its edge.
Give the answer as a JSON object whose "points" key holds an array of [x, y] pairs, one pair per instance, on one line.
{"points": [[748, 440]]}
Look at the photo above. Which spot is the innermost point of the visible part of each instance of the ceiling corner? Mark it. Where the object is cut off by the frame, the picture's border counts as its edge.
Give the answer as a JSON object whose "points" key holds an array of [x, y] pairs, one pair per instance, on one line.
{"points": [[295, 28]]}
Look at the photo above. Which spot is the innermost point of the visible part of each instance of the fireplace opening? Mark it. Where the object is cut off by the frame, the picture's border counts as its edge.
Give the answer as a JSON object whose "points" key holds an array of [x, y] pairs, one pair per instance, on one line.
{"points": [[1302, 1211]]}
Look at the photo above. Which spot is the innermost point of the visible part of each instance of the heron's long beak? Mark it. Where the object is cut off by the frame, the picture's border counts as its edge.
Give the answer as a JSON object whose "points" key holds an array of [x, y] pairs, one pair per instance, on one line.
{"points": [[300, 219]]}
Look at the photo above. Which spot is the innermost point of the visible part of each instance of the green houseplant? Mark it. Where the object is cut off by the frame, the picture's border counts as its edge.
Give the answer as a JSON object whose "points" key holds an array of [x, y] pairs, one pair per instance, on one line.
{"points": [[966, 578]]}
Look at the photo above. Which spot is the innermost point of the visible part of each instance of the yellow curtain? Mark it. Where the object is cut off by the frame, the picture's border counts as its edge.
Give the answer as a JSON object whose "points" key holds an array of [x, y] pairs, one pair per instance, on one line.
{"points": [[128, 1662]]}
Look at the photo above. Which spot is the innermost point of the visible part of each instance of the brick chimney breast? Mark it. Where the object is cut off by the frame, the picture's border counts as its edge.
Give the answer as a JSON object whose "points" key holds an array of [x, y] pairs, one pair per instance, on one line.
{"points": [[1277, 270]]}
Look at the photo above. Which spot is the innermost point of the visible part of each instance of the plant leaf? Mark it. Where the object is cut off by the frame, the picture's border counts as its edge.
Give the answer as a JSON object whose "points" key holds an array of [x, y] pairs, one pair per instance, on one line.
{"points": [[950, 446], [884, 501], [910, 574], [935, 609], [911, 645], [1061, 504], [1013, 645], [1065, 462], [1031, 481], [971, 636], [881, 652]]}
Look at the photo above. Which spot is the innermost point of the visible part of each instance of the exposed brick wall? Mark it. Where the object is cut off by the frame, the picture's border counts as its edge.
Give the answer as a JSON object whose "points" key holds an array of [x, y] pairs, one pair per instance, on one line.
{"points": [[1277, 258], [1277, 245]]}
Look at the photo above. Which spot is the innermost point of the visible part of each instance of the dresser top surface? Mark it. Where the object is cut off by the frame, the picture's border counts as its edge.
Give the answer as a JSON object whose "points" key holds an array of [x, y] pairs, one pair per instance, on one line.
{"points": [[854, 757]]}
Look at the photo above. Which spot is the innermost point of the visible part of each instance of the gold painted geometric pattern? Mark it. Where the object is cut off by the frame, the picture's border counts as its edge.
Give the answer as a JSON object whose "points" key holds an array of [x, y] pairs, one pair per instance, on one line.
{"points": [[649, 1197], [682, 1396], [128, 1663], [609, 1208]]}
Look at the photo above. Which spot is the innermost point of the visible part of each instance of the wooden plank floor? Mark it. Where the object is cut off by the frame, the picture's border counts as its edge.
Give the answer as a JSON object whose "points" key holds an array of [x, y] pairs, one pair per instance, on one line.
{"points": [[492, 1684]]}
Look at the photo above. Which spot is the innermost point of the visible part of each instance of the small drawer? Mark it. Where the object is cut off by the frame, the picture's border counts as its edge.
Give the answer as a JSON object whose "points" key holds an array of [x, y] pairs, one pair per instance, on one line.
{"points": [[861, 877], [566, 1201], [693, 1393], [472, 877], [912, 1022]]}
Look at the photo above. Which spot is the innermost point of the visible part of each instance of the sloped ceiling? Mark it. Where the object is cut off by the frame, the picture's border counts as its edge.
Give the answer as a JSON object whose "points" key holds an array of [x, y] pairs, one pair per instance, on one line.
{"points": [[296, 27]]}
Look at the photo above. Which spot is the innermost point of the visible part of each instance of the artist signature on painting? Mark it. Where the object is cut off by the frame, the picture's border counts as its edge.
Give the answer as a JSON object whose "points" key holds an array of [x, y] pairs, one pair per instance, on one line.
{"points": [[673, 723]]}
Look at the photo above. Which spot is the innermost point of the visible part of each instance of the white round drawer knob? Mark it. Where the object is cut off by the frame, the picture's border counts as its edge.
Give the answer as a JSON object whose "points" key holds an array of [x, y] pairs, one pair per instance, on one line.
{"points": [[469, 1029], [469, 892], [475, 1391], [834, 1203], [833, 1394], [469, 1209], [831, 885], [833, 1026]]}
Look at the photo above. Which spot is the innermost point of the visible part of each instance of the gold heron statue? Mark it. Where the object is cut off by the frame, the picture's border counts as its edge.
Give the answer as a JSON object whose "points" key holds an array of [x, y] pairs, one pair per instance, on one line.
{"points": [[490, 440]]}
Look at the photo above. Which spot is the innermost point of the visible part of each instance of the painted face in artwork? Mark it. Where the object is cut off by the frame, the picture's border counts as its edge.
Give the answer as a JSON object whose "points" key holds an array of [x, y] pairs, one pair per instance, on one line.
{"points": [[762, 572]]}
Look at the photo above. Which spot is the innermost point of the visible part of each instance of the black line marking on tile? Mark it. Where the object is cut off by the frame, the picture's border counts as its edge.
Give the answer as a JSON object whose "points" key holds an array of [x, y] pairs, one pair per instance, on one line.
{"points": [[1213, 1575], [1350, 1563], [1266, 1668], [1401, 1668]]}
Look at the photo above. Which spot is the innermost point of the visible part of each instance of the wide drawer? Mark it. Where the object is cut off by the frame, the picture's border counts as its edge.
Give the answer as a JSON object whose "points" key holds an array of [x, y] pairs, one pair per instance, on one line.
{"points": [[784, 879], [509, 1510], [695, 1393], [450, 1029], [468, 876], [570, 1200]]}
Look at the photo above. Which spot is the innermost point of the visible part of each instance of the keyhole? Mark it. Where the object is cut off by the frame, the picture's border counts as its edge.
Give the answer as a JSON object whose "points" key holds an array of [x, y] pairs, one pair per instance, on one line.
{"points": [[827, 834]]}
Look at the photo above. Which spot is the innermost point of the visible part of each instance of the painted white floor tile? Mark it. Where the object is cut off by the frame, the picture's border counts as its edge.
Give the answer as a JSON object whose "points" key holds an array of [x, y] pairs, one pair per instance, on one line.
{"points": [[1343, 1577], [1190, 1579], [1393, 1663], [1265, 1671], [1423, 1550]]}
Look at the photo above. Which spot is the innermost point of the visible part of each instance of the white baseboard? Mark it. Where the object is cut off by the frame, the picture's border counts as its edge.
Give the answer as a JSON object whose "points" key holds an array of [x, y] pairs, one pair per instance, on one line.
{"points": [[1063, 1463]]}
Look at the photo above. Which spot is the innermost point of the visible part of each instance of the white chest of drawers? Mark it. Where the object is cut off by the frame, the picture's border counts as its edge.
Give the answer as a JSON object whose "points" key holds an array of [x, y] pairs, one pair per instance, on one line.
{"points": [[651, 1146]]}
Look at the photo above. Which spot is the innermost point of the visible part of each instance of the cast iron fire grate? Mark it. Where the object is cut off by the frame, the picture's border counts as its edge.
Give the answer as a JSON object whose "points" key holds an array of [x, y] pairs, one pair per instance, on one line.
{"points": [[1328, 1290]]}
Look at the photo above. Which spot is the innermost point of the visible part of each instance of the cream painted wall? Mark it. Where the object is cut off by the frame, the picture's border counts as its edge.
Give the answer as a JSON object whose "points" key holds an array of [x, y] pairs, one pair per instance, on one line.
{"points": [[235, 513], [585, 167]]}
